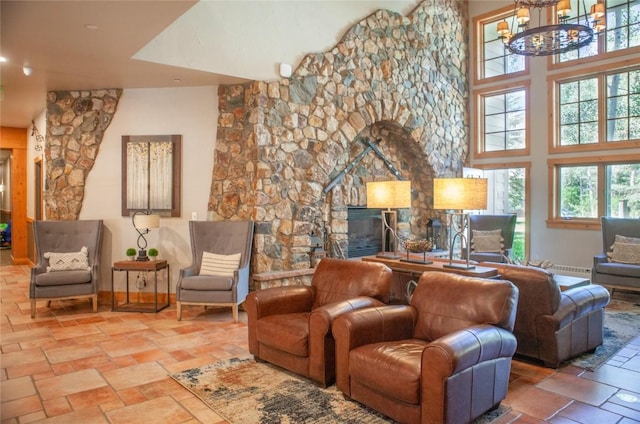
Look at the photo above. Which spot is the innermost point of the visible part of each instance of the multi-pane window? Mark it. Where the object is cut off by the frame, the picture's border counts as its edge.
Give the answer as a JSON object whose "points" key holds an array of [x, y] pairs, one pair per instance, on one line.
{"points": [[504, 120], [623, 106], [578, 112], [623, 24], [622, 29], [497, 60], [590, 49]]}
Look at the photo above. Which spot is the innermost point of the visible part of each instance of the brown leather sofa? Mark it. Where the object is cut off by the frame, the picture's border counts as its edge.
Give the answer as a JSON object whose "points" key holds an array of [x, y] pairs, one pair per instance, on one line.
{"points": [[445, 358], [551, 325], [291, 326]]}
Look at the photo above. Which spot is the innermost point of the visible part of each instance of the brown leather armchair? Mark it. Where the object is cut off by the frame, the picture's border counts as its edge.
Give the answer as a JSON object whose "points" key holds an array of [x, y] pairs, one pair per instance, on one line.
{"points": [[291, 326], [552, 325], [445, 358]]}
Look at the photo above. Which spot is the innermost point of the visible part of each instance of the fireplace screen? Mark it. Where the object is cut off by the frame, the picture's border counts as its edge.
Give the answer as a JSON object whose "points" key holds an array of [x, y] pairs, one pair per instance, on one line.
{"points": [[364, 231]]}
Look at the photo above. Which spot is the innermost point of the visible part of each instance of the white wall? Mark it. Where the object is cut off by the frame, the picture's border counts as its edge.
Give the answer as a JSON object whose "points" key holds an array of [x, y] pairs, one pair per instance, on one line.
{"points": [[190, 112], [561, 246]]}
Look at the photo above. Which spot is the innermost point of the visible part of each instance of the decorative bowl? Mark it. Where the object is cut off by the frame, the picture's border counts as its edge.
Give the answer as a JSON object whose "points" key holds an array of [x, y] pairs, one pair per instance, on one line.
{"points": [[418, 246]]}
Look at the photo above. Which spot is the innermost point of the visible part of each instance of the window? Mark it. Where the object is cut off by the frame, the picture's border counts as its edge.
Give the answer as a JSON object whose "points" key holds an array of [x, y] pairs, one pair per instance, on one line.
{"points": [[494, 59], [622, 30], [587, 188], [508, 193], [502, 121], [623, 24], [579, 112], [598, 111], [623, 106]]}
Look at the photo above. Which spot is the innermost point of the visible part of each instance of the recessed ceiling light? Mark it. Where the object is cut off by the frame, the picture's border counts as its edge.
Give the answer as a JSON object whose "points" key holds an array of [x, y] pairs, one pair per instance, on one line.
{"points": [[91, 27], [3, 59]]}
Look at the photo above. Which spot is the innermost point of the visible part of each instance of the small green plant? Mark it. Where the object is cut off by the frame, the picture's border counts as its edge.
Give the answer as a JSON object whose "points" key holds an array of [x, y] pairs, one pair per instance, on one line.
{"points": [[131, 251], [153, 252]]}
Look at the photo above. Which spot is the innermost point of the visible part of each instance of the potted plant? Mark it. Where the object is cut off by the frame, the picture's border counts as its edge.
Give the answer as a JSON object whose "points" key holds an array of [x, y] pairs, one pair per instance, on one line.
{"points": [[131, 253], [153, 252]]}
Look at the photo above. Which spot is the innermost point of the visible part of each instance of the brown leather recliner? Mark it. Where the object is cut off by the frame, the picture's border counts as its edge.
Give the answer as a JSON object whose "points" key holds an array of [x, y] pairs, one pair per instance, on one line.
{"points": [[291, 326], [445, 358], [552, 325]]}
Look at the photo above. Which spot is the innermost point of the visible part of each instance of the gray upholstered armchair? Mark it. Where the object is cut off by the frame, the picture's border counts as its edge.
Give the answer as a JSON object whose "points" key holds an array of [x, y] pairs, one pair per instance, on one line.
{"points": [[616, 267], [503, 225], [67, 261], [219, 271]]}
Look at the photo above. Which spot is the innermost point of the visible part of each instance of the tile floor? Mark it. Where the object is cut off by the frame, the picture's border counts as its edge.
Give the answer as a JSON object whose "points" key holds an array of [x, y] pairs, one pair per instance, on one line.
{"points": [[70, 365]]}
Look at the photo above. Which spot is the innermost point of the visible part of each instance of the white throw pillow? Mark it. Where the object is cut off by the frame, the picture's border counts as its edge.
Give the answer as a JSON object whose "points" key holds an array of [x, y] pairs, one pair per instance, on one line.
{"points": [[487, 241], [68, 261], [219, 265], [624, 240], [626, 253]]}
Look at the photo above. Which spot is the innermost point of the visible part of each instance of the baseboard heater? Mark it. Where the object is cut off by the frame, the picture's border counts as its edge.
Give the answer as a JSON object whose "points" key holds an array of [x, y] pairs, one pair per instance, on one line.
{"points": [[572, 271]]}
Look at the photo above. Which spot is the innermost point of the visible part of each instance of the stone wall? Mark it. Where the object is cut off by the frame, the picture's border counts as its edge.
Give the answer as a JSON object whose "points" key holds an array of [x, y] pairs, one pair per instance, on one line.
{"points": [[76, 122], [400, 80]]}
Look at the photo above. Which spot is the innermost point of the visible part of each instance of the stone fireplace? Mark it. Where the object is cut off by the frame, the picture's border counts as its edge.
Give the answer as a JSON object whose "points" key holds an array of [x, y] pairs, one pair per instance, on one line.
{"points": [[400, 81]]}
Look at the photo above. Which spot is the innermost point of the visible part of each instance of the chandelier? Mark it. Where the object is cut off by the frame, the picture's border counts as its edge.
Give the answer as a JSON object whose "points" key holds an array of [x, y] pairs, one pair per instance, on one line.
{"points": [[545, 40]]}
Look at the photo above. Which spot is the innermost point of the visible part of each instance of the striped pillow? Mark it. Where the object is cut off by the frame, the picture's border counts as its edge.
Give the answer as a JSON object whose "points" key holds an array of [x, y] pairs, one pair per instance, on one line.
{"points": [[219, 265]]}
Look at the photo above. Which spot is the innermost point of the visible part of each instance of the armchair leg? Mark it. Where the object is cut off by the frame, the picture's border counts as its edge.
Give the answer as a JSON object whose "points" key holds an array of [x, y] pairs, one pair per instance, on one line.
{"points": [[95, 303], [33, 308], [234, 312], [179, 310]]}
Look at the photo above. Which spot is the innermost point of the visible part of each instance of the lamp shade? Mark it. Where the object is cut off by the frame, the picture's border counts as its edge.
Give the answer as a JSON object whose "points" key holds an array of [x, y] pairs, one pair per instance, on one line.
{"points": [[460, 193], [389, 194], [143, 221]]}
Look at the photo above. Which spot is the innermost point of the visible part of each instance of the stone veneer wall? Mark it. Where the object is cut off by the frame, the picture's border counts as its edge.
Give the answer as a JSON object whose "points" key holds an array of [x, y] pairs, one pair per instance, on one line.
{"points": [[76, 122], [402, 80]]}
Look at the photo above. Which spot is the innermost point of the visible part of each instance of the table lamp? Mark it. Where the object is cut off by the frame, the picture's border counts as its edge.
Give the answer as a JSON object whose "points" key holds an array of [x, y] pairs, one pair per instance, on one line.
{"points": [[388, 195], [143, 221], [459, 194]]}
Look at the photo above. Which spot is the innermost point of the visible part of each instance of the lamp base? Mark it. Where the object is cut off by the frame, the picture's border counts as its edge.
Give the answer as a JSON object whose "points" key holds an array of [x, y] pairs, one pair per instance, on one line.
{"points": [[142, 255], [459, 266], [388, 255]]}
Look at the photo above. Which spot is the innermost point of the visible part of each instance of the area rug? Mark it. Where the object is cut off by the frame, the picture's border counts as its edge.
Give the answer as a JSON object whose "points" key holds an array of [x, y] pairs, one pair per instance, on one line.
{"points": [[621, 324], [243, 391]]}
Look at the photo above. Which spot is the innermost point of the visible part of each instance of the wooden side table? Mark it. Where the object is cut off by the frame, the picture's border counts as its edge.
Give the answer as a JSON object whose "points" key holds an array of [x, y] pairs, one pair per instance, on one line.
{"points": [[140, 266]]}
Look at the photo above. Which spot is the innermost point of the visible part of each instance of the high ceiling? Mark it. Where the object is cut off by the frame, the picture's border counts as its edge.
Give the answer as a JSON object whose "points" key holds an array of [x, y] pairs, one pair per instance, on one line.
{"points": [[76, 44]]}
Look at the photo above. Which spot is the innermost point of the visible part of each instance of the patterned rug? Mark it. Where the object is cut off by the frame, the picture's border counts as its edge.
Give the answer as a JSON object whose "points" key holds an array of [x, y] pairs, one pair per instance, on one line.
{"points": [[621, 324], [243, 391]]}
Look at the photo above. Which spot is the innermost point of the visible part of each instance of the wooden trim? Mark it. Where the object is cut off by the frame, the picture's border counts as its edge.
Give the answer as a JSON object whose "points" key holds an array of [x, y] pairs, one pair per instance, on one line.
{"points": [[15, 139]]}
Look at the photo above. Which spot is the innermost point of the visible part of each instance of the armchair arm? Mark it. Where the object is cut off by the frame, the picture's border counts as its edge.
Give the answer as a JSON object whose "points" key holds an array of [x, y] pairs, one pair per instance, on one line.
{"points": [[600, 258], [463, 349], [365, 326], [279, 300], [273, 301], [189, 271], [577, 302], [457, 352]]}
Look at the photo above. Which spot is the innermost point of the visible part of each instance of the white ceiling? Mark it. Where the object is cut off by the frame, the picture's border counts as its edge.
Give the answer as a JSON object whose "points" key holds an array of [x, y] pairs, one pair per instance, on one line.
{"points": [[154, 43]]}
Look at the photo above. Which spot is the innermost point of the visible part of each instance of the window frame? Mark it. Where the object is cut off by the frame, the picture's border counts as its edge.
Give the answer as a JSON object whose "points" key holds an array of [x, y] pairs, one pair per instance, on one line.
{"points": [[479, 151], [554, 218]]}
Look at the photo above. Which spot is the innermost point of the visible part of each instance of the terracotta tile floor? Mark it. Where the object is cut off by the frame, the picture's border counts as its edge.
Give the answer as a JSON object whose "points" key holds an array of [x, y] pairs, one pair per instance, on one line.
{"points": [[70, 365]]}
